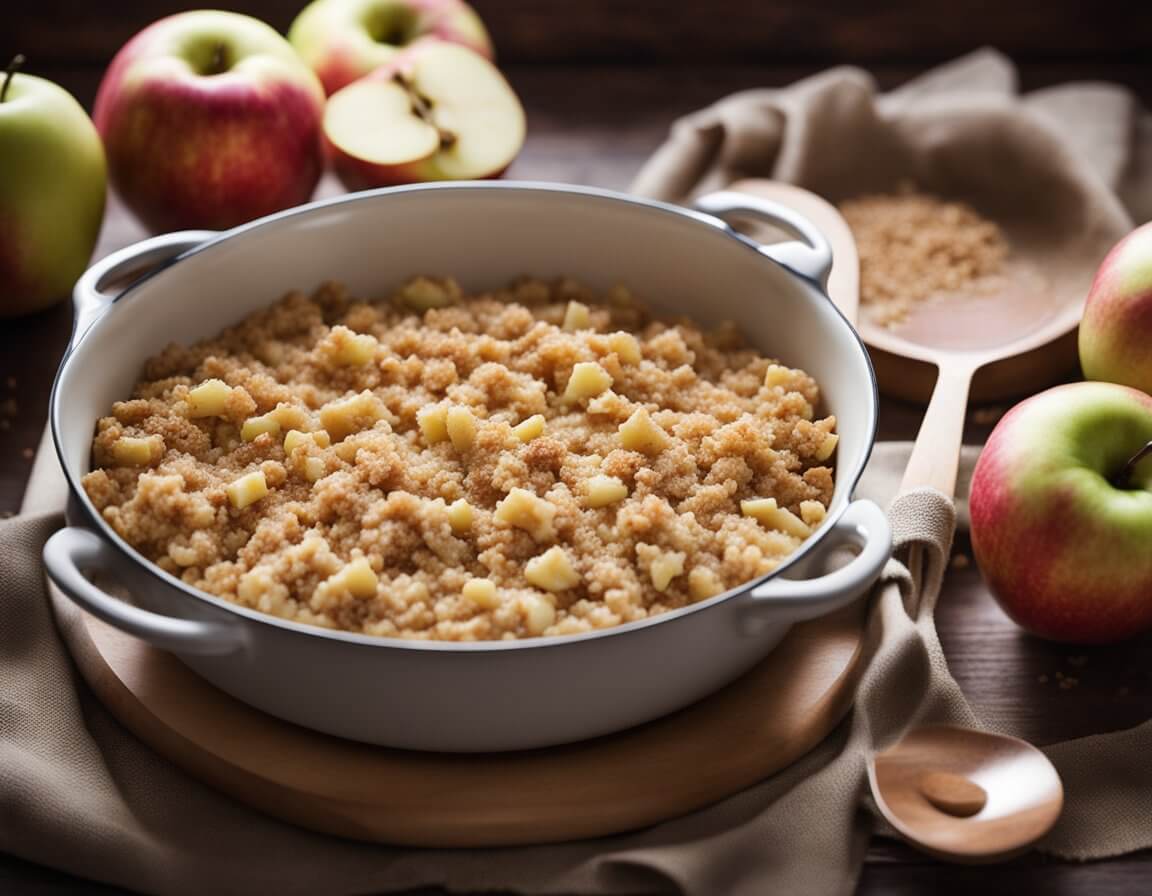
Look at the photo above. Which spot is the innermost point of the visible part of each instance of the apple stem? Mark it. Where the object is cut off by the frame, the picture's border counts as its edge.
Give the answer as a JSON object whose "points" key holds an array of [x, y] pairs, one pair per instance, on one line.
{"points": [[1125, 477], [423, 108], [9, 73]]}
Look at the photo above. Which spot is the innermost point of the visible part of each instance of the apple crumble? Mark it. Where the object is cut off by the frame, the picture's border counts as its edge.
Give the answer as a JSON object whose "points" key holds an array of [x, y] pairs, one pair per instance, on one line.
{"points": [[538, 460]]}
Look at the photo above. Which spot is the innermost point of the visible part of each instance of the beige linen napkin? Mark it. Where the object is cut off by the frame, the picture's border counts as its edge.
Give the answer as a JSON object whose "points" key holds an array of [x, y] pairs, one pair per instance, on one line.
{"points": [[1080, 150]]}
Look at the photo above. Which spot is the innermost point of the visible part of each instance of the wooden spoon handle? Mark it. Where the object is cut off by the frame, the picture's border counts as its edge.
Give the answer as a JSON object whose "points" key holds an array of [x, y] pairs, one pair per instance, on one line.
{"points": [[935, 458]]}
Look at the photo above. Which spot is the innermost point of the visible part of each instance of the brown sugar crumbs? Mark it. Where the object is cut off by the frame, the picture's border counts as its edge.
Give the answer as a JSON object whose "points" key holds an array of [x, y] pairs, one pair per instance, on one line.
{"points": [[533, 461], [915, 247]]}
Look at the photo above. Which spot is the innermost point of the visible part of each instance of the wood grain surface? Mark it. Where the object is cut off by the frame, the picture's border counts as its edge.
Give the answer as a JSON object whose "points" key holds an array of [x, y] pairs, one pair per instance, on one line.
{"points": [[596, 126]]}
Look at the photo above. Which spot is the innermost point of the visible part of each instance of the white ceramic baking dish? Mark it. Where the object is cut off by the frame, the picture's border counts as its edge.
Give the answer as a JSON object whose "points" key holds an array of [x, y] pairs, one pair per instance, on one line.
{"points": [[489, 695]]}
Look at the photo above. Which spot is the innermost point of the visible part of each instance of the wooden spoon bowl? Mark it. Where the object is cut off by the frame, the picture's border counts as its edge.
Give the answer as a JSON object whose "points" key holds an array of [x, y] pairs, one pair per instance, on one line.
{"points": [[929, 786]]}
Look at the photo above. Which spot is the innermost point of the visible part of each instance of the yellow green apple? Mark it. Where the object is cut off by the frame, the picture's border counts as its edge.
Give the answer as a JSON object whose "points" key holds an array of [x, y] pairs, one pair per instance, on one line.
{"points": [[51, 192], [343, 40], [1061, 508], [1116, 331], [210, 119], [437, 111]]}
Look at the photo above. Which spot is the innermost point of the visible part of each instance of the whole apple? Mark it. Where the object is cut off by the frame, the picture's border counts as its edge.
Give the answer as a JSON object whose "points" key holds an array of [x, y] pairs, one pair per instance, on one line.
{"points": [[51, 192], [210, 120], [437, 111], [1061, 508], [1116, 332], [346, 39]]}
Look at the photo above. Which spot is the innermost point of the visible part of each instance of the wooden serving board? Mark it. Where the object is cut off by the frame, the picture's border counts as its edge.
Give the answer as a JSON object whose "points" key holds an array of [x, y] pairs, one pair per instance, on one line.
{"points": [[718, 747]]}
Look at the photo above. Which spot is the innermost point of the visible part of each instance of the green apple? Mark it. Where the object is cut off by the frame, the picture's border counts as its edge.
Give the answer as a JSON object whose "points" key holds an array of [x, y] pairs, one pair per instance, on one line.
{"points": [[51, 192], [343, 40], [437, 111], [1116, 332], [1061, 508], [210, 119]]}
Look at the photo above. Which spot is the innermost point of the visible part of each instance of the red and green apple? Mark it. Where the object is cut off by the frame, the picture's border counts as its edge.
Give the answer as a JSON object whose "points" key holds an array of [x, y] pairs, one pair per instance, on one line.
{"points": [[1061, 508], [343, 40], [1116, 332], [209, 120], [437, 111], [51, 192]]}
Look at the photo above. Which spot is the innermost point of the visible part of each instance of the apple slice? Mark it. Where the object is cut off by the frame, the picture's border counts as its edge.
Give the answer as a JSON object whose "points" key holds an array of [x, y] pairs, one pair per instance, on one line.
{"points": [[437, 111]]}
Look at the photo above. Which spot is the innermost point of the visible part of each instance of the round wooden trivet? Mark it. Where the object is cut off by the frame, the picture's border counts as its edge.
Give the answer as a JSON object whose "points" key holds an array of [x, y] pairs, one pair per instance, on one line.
{"points": [[666, 768]]}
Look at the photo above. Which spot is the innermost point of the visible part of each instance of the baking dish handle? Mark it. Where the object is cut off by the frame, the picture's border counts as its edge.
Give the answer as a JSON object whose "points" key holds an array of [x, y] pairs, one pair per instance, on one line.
{"points": [[91, 296], [864, 525], [71, 551], [810, 256]]}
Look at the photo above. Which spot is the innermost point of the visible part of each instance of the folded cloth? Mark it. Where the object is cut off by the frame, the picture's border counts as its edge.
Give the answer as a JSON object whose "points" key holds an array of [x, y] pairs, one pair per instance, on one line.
{"points": [[1081, 150]]}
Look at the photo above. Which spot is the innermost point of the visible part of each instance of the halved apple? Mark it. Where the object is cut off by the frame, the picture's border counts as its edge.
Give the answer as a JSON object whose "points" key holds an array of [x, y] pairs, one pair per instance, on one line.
{"points": [[436, 111]]}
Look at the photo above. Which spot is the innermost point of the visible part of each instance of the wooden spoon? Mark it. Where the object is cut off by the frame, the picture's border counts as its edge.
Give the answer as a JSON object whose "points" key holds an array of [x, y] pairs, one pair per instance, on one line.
{"points": [[966, 795], [957, 793]]}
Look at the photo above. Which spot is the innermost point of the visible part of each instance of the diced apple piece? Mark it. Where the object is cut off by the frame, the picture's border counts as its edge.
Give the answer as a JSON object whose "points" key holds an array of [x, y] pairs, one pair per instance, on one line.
{"points": [[460, 515], [539, 613], [605, 490], [357, 578], [130, 451], [209, 399], [314, 468], [666, 566], [827, 446], [770, 514], [295, 438], [626, 347], [552, 570], [433, 423], [641, 433], [351, 349], [776, 375], [524, 510], [588, 380], [257, 426], [343, 417], [422, 293], [532, 428], [248, 489], [703, 583], [812, 513], [289, 417], [576, 317], [481, 592], [460, 423]]}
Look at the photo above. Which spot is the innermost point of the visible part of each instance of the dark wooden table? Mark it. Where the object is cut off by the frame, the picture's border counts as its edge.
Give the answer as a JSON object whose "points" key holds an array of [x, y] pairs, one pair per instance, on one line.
{"points": [[596, 125]]}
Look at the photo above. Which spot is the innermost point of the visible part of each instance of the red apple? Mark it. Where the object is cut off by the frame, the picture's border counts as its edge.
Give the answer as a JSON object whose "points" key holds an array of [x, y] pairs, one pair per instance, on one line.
{"points": [[1061, 509], [343, 40], [209, 120], [1116, 332], [437, 111]]}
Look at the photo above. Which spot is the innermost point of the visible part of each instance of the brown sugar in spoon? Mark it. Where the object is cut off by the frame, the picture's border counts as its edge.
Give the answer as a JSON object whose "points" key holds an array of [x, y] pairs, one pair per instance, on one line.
{"points": [[957, 793]]}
